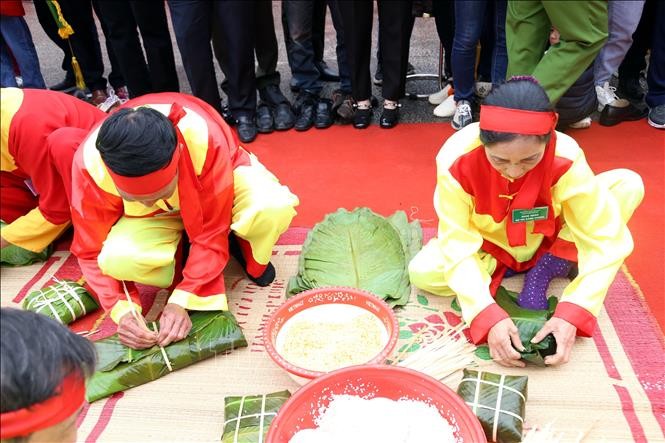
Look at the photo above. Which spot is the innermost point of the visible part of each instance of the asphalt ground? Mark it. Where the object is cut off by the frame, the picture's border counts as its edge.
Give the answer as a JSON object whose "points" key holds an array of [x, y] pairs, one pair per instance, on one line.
{"points": [[424, 55]]}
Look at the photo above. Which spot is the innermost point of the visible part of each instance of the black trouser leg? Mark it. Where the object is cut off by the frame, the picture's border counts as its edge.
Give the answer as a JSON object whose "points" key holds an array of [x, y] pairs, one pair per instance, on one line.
{"points": [[395, 22], [357, 20], [150, 16], [125, 42], [192, 24], [234, 22]]}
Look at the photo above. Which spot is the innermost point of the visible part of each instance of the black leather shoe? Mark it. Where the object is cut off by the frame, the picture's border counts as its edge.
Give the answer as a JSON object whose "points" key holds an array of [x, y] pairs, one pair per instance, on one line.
{"points": [[324, 118], [283, 117], [326, 74], [306, 107], [264, 120], [67, 83], [389, 118], [613, 115], [246, 128], [227, 116], [362, 118]]}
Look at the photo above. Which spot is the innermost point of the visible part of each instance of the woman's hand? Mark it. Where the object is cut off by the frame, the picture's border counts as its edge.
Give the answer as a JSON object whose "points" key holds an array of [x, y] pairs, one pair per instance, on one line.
{"points": [[564, 334], [174, 324], [501, 339]]}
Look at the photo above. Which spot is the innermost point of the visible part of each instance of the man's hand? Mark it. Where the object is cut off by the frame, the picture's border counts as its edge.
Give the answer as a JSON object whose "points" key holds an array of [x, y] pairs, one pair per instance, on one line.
{"points": [[133, 335], [174, 325], [564, 333], [501, 339]]}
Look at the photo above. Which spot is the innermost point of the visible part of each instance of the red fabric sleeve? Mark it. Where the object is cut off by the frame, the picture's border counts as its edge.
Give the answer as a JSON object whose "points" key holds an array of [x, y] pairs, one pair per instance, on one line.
{"points": [[94, 212], [483, 322], [583, 320]]}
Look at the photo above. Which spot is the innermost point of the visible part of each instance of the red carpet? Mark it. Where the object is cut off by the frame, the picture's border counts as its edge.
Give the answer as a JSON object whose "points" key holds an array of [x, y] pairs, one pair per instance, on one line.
{"points": [[388, 170]]}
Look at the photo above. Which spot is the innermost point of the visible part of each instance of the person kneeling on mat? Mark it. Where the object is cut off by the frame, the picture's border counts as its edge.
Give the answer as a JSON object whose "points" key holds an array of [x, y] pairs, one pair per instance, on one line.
{"points": [[40, 131], [161, 166], [514, 195], [42, 378]]}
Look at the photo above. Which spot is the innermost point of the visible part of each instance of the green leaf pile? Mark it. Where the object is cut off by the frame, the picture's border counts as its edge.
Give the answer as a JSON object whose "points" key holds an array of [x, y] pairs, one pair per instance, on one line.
{"points": [[529, 322], [362, 250], [120, 368]]}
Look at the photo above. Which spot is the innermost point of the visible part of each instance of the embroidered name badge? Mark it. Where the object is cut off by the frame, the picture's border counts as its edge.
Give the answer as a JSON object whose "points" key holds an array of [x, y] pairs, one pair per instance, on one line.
{"points": [[525, 215]]}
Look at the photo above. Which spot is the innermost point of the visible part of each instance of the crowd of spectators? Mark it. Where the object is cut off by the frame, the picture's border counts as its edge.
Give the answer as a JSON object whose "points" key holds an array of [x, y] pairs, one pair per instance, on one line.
{"points": [[604, 56]]}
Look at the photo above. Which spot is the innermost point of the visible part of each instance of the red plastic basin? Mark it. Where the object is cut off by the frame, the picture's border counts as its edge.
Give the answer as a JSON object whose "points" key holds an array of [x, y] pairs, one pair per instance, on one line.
{"points": [[323, 296], [369, 381]]}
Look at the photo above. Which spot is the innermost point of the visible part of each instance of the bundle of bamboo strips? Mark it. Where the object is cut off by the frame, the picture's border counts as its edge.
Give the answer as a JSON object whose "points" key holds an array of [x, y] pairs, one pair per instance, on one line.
{"points": [[445, 354]]}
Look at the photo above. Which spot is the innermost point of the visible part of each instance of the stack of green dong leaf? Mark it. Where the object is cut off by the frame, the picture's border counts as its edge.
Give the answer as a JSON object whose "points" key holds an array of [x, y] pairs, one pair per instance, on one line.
{"points": [[248, 418], [528, 323], [362, 250], [13, 255], [64, 301], [120, 368]]}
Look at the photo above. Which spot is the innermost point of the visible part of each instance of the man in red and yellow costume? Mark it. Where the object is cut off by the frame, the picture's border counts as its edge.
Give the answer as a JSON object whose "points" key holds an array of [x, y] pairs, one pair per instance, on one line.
{"points": [[162, 166], [40, 132], [513, 195]]}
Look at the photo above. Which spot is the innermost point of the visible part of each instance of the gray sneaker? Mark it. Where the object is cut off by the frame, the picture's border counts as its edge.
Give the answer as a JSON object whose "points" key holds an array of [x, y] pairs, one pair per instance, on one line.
{"points": [[463, 116], [657, 117]]}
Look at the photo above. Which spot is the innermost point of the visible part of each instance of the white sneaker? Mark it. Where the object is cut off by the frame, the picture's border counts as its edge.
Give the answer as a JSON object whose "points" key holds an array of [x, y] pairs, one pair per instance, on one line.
{"points": [[463, 115], [446, 108], [438, 97], [483, 89], [582, 124], [606, 95]]}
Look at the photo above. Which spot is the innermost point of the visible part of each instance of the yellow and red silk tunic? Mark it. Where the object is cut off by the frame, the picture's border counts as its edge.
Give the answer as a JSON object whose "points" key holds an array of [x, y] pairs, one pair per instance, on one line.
{"points": [[471, 201], [40, 131], [203, 199]]}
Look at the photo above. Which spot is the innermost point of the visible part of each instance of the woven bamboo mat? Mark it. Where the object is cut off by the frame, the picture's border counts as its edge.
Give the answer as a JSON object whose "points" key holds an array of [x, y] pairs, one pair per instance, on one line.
{"points": [[606, 393]]}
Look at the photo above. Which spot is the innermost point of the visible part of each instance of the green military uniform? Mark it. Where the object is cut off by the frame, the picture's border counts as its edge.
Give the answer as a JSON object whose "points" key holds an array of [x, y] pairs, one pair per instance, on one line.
{"points": [[583, 29]]}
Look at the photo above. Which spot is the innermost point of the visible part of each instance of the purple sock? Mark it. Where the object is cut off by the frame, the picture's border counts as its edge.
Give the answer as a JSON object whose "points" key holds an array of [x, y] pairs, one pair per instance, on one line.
{"points": [[534, 293]]}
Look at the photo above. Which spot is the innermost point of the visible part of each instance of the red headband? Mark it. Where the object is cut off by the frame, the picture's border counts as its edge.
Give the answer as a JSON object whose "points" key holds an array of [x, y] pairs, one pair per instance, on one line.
{"points": [[517, 121], [68, 399], [150, 183]]}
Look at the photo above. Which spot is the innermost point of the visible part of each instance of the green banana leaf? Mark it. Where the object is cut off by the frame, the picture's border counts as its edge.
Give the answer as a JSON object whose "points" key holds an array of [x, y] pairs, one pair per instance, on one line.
{"points": [[529, 322], [247, 418], [64, 301], [360, 249], [120, 368], [480, 390], [13, 255]]}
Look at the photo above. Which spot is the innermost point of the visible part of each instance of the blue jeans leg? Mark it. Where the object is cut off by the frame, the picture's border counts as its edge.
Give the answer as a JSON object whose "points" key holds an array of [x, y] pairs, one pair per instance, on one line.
{"points": [[469, 17], [17, 38], [500, 53]]}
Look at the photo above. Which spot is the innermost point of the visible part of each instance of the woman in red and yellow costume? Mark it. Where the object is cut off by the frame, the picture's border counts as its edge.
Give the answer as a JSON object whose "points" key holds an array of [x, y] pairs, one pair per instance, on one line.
{"points": [[40, 132], [514, 195], [163, 168]]}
